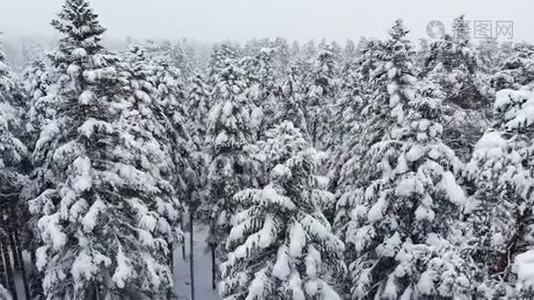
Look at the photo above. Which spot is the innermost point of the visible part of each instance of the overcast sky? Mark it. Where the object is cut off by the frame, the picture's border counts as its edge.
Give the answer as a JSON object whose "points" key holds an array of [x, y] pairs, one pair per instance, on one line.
{"points": [[215, 20]]}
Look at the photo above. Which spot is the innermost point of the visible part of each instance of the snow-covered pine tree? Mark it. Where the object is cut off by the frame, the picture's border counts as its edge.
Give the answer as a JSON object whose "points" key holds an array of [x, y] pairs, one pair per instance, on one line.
{"points": [[263, 90], [172, 98], [172, 53], [345, 120], [230, 132], [490, 57], [386, 78], [295, 50], [254, 46], [361, 128], [198, 106], [349, 52], [13, 168], [281, 245], [517, 70], [282, 56], [309, 50], [402, 230], [452, 64], [347, 107], [37, 79], [322, 92], [220, 53], [106, 219], [13, 152], [348, 170], [502, 223], [291, 101]]}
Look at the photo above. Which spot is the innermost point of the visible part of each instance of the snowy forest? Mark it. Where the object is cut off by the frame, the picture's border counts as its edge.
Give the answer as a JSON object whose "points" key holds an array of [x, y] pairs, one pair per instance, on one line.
{"points": [[373, 169]]}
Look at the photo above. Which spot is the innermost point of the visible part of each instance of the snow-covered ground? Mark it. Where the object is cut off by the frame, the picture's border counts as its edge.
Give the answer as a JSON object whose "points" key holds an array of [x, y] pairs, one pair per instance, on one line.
{"points": [[202, 259]]}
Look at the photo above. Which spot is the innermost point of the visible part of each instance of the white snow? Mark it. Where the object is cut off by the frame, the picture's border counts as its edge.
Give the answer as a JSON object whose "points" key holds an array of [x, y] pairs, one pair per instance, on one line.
{"points": [[123, 270], [281, 269], [87, 97], [376, 213], [297, 240], [79, 53], [455, 193], [416, 152], [83, 268], [202, 268], [89, 220], [524, 268], [82, 180]]}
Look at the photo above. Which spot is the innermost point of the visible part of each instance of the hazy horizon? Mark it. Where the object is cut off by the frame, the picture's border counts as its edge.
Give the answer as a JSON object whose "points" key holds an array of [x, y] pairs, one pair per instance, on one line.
{"points": [[241, 20]]}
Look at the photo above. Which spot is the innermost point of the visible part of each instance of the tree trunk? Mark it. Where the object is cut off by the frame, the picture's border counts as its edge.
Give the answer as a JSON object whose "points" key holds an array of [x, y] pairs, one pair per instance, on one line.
{"points": [[35, 282], [22, 266], [184, 256], [3, 272], [9, 272], [191, 256], [213, 268], [11, 233], [171, 248]]}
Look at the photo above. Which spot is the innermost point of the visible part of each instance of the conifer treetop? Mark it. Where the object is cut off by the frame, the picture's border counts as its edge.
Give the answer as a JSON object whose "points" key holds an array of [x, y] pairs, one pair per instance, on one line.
{"points": [[80, 25]]}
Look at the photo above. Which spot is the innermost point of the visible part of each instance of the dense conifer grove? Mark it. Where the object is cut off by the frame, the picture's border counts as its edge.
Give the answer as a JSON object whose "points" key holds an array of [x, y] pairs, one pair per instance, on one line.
{"points": [[377, 169]]}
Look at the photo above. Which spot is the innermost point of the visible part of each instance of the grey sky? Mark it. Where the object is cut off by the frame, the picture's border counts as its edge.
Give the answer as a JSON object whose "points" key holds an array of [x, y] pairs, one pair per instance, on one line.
{"points": [[214, 20]]}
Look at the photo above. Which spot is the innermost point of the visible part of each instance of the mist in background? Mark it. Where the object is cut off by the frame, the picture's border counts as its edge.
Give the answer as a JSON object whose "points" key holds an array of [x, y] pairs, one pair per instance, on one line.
{"points": [[27, 21]]}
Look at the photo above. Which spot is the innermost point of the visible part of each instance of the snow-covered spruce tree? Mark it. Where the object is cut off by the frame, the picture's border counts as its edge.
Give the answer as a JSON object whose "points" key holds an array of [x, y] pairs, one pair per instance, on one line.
{"points": [[263, 90], [295, 50], [457, 62], [322, 92], [401, 231], [13, 168], [309, 51], [452, 64], [346, 108], [37, 81], [490, 56], [220, 54], [230, 132], [386, 71], [13, 152], [291, 101], [171, 52], [281, 246], [282, 56], [502, 223], [198, 106], [172, 98], [517, 70], [190, 164], [268, 90], [171, 125], [349, 52], [106, 217]]}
